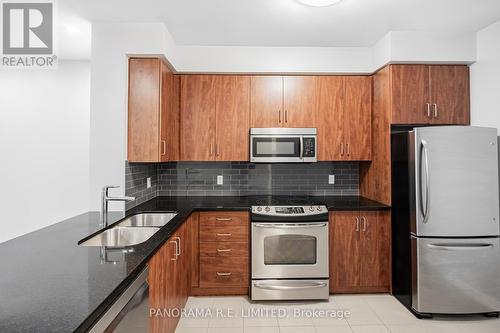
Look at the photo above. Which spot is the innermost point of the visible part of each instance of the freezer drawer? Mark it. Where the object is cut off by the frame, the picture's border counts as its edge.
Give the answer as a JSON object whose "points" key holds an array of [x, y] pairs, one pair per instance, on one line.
{"points": [[453, 276]]}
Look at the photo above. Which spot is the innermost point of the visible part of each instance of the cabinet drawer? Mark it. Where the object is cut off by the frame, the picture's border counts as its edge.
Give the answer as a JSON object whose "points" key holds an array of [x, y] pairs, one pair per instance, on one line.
{"points": [[224, 249], [220, 271], [223, 234], [224, 219]]}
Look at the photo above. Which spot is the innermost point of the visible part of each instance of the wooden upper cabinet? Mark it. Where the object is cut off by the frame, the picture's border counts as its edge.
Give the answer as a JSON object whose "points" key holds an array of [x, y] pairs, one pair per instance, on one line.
{"points": [[152, 112], [299, 101], [344, 118], [330, 117], [450, 95], [266, 101], [430, 94], [233, 117], [410, 94], [358, 118], [198, 117]]}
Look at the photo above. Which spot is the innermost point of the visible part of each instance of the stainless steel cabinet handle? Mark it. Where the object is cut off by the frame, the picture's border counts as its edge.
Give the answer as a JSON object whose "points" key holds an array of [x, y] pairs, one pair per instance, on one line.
{"points": [[341, 149], [435, 110], [459, 247], [211, 149], [176, 250], [163, 147], [224, 235], [286, 116], [428, 109], [224, 273], [347, 149], [178, 240], [221, 219], [357, 224], [261, 285], [363, 219], [279, 116], [424, 159], [289, 225], [223, 250]]}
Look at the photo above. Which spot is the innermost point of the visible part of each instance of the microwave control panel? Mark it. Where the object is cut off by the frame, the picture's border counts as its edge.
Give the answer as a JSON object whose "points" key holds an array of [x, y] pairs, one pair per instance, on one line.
{"points": [[309, 149]]}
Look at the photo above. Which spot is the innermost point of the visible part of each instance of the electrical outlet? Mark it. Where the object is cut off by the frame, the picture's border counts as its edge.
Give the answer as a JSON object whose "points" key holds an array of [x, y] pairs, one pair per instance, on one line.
{"points": [[331, 179], [220, 180], [148, 182]]}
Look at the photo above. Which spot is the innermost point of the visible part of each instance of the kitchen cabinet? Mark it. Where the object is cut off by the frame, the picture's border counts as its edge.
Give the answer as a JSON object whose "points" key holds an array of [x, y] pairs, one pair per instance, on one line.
{"points": [[283, 101], [168, 285], [223, 254], [215, 111], [153, 112], [344, 118], [430, 94], [359, 251]]}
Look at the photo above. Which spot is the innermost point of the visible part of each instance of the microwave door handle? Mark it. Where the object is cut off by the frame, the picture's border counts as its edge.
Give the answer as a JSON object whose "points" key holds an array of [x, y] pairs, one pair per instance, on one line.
{"points": [[301, 147]]}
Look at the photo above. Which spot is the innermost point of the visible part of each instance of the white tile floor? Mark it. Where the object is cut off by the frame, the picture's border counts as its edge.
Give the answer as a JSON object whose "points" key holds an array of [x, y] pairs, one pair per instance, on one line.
{"points": [[368, 314]]}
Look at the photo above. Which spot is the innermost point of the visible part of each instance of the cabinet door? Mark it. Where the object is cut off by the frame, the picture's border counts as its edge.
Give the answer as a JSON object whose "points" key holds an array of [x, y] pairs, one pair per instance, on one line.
{"points": [[143, 110], [344, 250], [299, 101], [375, 249], [169, 116], [233, 117], [182, 266], [450, 95], [266, 101], [358, 118], [162, 287], [198, 117], [410, 94], [330, 101]]}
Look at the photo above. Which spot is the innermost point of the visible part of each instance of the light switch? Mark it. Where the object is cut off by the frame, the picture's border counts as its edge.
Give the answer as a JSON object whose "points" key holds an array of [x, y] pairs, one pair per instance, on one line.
{"points": [[331, 179], [220, 180]]}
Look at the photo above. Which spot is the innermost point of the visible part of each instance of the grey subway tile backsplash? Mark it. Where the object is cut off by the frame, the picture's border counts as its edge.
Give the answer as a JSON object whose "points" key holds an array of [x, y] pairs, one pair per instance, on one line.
{"points": [[240, 178]]}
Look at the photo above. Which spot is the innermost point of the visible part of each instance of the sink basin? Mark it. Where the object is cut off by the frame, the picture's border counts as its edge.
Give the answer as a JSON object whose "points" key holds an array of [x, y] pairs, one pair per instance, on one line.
{"points": [[121, 236], [147, 220]]}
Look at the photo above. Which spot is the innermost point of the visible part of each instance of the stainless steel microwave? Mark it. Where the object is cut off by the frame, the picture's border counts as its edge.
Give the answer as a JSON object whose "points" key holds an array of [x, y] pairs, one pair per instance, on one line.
{"points": [[283, 145]]}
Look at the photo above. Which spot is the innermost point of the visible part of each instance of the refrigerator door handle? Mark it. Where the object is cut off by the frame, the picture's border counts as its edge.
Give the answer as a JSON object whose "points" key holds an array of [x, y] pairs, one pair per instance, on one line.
{"points": [[458, 247], [425, 160]]}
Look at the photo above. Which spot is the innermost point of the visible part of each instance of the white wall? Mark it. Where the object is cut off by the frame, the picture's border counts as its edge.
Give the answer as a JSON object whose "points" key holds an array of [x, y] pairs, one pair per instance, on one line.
{"points": [[44, 147], [485, 79], [111, 42]]}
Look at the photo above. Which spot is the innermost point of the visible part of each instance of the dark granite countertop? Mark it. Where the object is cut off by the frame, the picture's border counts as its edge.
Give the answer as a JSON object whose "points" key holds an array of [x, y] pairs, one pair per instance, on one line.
{"points": [[51, 284]]}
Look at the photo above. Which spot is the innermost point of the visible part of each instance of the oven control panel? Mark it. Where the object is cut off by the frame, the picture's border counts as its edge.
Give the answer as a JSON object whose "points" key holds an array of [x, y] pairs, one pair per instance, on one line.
{"points": [[307, 210]]}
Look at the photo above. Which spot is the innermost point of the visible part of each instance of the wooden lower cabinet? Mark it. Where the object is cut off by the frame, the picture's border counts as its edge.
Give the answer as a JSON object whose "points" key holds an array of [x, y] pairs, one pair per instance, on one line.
{"points": [[360, 250], [223, 254], [168, 285]]}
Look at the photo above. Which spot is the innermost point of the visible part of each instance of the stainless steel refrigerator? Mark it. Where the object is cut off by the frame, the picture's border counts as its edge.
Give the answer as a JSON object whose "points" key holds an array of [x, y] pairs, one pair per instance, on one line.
{"points": [[445, 198]]}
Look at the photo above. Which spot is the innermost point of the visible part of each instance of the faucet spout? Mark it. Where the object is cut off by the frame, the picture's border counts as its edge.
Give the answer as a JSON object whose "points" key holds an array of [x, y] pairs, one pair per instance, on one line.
{"points": [[105, 198]]}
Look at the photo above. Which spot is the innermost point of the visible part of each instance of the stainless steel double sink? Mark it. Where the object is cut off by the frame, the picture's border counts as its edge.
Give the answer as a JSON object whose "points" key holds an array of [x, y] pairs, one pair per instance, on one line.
{"points": [[131, 231]]}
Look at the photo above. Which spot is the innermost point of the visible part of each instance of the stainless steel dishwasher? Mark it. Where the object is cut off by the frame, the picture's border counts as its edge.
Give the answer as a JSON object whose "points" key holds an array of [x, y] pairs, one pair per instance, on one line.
{"points": [[130, 313]]}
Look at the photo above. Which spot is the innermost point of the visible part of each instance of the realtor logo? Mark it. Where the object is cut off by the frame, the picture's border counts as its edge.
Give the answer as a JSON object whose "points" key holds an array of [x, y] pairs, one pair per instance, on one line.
{"points": [[28, 34]]}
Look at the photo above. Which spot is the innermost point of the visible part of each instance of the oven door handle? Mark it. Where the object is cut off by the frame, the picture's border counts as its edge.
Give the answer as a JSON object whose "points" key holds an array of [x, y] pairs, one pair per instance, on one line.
{"points": [[289, 225], [267, 286]]}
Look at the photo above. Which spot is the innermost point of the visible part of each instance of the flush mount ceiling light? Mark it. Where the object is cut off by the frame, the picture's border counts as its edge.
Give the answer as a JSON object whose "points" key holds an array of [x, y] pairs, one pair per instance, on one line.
{"points": [[319, 3]]}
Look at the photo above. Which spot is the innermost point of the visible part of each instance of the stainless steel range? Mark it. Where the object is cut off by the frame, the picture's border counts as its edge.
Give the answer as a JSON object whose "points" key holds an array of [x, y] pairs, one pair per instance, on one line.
{"points": [[289, 252]]}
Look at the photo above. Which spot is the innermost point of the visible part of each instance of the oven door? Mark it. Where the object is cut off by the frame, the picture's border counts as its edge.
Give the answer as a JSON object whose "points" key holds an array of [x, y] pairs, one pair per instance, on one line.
{"points": [[289, 250]]}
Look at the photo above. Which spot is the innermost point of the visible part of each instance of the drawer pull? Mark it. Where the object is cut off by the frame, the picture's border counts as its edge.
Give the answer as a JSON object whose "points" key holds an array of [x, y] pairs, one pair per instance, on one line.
{"points": [[223, 250], [224, 235], [223, 219], [223, 273]]}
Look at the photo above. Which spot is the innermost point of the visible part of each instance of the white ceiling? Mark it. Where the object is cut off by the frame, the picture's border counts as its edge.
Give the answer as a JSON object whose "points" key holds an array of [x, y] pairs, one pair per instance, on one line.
{"points": [[289, 23]]}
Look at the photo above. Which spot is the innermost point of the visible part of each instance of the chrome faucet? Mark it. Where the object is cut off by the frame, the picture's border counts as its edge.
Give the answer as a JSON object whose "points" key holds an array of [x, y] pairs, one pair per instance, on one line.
{"points": [[105, 198]]}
